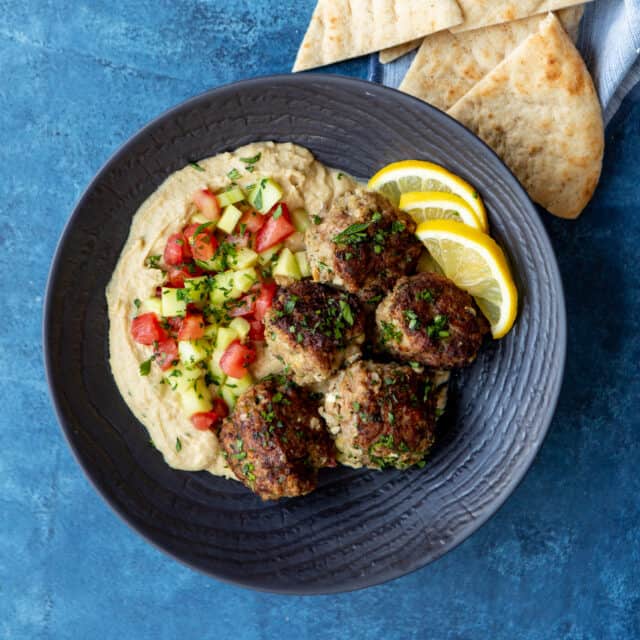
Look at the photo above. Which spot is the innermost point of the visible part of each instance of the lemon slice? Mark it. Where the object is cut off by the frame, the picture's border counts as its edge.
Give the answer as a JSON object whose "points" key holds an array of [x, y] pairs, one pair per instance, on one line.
{"points": [[476, 264], [417, 175], [438, 205]]}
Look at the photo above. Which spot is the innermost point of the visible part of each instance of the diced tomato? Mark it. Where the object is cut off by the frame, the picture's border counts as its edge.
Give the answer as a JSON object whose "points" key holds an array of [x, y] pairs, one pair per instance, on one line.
{"points": [[166, 353], [192, 327], [208, 204], [256, 330], [264, 300], [175, 323], [275, 229], [236, 359], [202, 241], [207, 420], [177, 274], [146, 329], [243, 307], [252, 221], [177, 250]]}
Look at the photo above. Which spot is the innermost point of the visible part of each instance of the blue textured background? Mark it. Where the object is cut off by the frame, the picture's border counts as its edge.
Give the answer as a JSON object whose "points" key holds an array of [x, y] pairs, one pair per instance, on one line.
{"points": [[560, 560]]}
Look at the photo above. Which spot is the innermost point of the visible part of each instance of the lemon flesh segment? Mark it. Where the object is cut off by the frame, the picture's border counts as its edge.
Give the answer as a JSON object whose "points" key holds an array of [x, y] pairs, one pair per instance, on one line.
{"points": [[418, 175], [436, 205], [476, 264]]}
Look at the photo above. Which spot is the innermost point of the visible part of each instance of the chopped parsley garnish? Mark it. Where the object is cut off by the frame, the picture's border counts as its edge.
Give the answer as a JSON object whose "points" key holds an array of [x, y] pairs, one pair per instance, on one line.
{"points": [[340, 175], [316, 219], [390, 332], [196, 166], [345, 311], [253, 159], [145, 367], [425, 295], [397, 226], [178, 445], [290, 304], [412, 319], [248, 470], [137, 303], [234, 174], [153, 262], [438, 326], [353, 234]]}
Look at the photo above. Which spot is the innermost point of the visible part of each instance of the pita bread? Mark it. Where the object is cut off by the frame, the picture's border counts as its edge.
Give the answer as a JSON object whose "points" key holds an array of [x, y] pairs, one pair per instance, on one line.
{"points": [[484, 13], [570, 19], [539, 111], [342, 29], [448, 64], [393, 53]]}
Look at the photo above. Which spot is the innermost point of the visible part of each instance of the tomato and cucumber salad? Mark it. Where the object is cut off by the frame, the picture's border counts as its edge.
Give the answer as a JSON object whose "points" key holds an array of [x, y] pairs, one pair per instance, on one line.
{"points": [[202, 325]]}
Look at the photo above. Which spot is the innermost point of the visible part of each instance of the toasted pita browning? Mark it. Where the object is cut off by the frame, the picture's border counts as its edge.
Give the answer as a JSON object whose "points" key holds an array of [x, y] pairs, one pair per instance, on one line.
{"points": [[539, 111], [343, 29]]}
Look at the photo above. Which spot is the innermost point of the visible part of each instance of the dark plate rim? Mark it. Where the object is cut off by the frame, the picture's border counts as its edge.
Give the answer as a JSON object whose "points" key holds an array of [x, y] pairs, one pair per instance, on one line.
{"points": [[308, 78]]}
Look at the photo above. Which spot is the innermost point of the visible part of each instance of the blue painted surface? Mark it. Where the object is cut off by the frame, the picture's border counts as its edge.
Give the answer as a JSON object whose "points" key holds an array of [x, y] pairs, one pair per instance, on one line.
{"points": [[560, 560]]}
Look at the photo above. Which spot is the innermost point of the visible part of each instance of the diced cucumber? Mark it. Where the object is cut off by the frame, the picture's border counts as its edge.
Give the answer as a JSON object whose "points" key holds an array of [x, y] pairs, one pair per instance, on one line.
{"points": [[151, 305], [300, 219], [287, 265], [244, 258], [181, 376], [239, 385], [230, 218], [192, 351], [229, 397], [196, 398], [223, 288], [244, 279], [230, 196], [265, 194], [303, 264], [199, 218], [197, 289], [241, 327], [226, 335], [210, 331], [215, 264], [218, 375], [267, 256], [174, 302]]}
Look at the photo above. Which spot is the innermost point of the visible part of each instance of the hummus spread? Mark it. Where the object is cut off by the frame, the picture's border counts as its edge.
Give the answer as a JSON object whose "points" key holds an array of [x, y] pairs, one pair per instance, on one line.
{"points": [[307, 184]]}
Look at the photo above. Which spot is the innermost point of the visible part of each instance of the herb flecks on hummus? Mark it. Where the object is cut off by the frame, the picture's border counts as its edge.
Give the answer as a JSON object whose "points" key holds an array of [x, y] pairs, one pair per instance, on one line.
{"points": [[195, 279]]}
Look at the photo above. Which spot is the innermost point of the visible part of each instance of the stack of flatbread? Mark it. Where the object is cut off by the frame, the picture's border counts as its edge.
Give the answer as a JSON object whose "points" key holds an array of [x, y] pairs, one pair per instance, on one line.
{"points": [[506, 69]]}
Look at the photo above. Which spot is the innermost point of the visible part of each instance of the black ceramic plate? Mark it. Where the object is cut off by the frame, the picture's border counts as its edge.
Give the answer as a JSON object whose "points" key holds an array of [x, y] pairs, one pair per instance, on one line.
{"points": [[360, 527]]}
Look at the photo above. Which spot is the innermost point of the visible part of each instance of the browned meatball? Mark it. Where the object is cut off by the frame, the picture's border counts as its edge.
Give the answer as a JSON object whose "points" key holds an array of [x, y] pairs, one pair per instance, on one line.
{"points": [[427, 319], [275, 440], [313, 329], [363, 245], [381, 415]]}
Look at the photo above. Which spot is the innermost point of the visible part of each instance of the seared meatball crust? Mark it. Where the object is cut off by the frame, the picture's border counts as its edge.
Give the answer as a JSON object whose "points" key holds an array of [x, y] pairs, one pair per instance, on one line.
{"points": [[381, 415], [275, 440], [363, 245], [313, 329], [428, 319]]}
